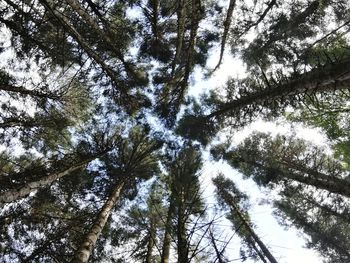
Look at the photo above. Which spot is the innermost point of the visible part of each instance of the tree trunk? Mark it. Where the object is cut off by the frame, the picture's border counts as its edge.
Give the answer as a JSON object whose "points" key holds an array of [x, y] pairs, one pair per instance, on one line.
{"points": [[24, 91], [181, 21], [150, 243], [227, 24], [328, 78], [181, 234], [84, 45], [88, 243], [15, 194], [311, 177], [331, 184], [252, 233], [167, 235]]}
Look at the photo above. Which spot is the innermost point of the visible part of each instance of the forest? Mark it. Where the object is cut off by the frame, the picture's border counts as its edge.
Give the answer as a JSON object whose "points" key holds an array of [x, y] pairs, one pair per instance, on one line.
{"points": [[189, 131]]}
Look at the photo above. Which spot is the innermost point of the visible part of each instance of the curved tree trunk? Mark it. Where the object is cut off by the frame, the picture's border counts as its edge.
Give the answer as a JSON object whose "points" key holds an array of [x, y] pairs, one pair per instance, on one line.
{"points": [[88, 243]]}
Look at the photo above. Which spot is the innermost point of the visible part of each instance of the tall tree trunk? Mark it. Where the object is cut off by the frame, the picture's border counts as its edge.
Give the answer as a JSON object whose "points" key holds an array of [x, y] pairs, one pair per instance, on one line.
{"points": [[252, 233], [15, 194], [167, 233], [181, 233], [227, 24], [181, 22], [84, 45], [311, 177], [88, 243], [331, 184], [328, 78], [150, 243], [94, 25]]}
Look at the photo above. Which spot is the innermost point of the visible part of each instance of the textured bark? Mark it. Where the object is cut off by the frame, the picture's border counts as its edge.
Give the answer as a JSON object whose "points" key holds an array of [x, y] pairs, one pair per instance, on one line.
{"points": [[15, 194], [328, 78], [88, 243]]}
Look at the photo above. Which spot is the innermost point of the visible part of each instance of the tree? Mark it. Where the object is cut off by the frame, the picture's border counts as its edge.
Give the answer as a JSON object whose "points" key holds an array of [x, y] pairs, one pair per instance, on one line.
{"points": [[136, 160], [90, 90], [324, 221], [184, 201], [282, 160], [252, 96], [229, 196], [33, 178]]}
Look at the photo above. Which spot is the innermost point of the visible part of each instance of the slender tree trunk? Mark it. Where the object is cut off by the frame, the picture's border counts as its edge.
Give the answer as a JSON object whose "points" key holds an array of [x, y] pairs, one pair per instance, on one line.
{"points": [[94, 25], [261, 256], [167, 235], [252, 233], [331, 184], [219, 256], [311, 177], [15, 194], [328, 78], [181, 234], [181, 21], [86, 46], [150, 243], [24, 91], [227, 24], [88, 243]]}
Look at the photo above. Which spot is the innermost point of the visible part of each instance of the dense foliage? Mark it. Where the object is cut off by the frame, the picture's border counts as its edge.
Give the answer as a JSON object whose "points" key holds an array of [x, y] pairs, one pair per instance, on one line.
{"points": [[103, 153]]}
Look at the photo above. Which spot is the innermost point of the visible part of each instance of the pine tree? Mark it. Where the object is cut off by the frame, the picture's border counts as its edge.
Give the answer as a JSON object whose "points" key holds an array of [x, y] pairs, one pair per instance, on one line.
{"points": [[282, 160], [229, 196]]}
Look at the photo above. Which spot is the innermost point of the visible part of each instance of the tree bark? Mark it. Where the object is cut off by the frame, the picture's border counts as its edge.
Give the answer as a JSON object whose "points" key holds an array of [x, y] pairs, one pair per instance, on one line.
{"points": [[181, 21], [94, 25], [227, 24], [309, 177], [321, 181], [88, 243]]}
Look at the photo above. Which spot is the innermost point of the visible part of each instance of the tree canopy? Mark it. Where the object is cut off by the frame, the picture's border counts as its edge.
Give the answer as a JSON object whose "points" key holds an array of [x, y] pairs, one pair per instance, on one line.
{"points": [[106, 157]]}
